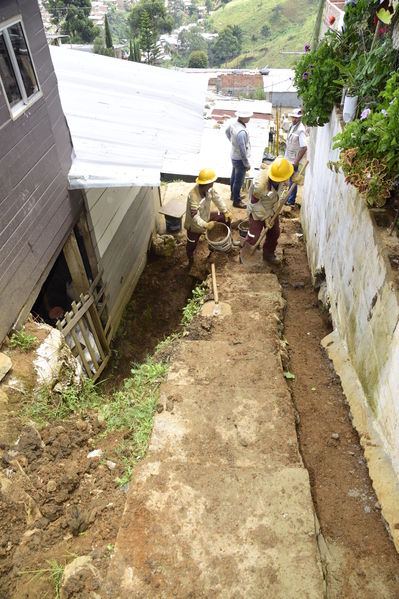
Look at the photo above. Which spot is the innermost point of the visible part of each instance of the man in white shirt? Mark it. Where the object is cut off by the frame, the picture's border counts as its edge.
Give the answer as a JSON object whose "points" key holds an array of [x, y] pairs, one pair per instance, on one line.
{"points": [[296, 147], [237, 134]]}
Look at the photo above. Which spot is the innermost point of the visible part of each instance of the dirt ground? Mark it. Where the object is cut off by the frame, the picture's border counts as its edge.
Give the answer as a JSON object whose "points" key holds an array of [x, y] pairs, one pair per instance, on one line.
{"points": [[76, 503], [362, 560]]}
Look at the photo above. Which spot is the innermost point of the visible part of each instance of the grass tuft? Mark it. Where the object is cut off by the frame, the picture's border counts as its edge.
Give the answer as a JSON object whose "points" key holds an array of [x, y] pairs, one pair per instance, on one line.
{"points": [[47, 404], [23, 341], [53, 573], [132, 409], [194, 305]]}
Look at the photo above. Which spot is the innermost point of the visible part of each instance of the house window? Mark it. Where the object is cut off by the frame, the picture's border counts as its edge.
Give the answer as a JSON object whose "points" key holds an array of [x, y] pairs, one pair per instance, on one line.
{"points": [[17, 73]]}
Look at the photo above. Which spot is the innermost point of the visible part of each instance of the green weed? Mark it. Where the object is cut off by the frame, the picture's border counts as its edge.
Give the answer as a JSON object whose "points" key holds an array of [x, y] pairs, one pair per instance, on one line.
{"points": [[193, 305], [24, 341], [132, 409], [53, 573], [47, 405]]}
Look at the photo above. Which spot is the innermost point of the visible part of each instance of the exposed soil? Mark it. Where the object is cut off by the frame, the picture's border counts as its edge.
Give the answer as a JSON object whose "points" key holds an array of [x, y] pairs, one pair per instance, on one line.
{"points": [[363, 561], [56, 502]]}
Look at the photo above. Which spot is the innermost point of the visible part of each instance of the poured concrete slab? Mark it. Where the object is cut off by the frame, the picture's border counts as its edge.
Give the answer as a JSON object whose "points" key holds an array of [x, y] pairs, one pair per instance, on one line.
{"points": [[195, 531]]}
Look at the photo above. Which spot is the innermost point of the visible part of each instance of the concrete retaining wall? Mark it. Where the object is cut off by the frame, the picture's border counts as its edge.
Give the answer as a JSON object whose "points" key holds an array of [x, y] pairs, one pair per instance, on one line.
{"points": [[342, 240]]}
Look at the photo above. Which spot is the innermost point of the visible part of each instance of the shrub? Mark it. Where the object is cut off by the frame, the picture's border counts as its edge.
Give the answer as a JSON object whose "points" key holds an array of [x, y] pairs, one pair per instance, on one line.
{"points": [[198, 60]]}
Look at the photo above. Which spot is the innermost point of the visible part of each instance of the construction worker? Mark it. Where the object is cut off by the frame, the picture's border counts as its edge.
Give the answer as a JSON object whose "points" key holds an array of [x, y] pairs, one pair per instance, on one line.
{"points": [[296, 147], [264, 199], [199, 217], [240, 153]]}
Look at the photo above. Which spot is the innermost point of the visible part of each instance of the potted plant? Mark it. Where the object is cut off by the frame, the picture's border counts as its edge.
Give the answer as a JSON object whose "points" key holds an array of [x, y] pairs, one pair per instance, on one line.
{"points": [[369, 147]]}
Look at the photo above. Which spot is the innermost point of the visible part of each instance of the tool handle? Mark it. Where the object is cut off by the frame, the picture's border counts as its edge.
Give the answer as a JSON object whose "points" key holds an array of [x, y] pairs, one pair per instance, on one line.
{"points": [[215, 289], [279, 209]]}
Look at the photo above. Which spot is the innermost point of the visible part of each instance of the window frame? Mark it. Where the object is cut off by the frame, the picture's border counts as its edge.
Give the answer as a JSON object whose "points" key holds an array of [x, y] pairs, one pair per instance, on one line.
{"points": [[26, 102]]}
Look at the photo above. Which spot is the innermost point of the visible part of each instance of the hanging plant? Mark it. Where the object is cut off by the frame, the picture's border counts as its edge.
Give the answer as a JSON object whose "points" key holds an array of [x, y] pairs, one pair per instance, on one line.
{"points": [[369, 147]]}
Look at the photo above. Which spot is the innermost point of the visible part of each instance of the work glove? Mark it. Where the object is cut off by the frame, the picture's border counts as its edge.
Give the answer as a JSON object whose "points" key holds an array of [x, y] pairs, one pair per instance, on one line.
{"points": [[298, 179], [228, 215], [210, 225]]}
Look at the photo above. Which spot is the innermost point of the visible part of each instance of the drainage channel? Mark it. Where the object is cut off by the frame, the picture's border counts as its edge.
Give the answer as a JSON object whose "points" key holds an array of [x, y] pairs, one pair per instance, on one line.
{"points": [[358, 555]]}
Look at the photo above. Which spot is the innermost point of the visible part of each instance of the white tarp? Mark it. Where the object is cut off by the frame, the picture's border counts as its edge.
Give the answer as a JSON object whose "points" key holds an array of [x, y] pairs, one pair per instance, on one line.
{"points": [[126, 117]]}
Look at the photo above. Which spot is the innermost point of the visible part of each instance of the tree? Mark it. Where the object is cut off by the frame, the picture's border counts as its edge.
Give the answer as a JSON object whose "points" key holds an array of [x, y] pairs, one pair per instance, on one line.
{"points": [[72, 18], [176, 9], [237, 32], [226, 46], [198, 60], [160, 21], [108, 36], [148, 39], [99, 47], [191, 40], [134, 54], [208, 5], [118, 23], [265, 31]]}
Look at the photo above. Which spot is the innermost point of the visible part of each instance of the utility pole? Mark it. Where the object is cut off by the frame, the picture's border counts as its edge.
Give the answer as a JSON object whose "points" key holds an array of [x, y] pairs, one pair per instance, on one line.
{"points": [[317, 26]]}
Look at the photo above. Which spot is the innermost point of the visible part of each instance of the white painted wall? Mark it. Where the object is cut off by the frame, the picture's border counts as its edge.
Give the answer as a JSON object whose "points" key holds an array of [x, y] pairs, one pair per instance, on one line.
{"points": [[342, 239]]}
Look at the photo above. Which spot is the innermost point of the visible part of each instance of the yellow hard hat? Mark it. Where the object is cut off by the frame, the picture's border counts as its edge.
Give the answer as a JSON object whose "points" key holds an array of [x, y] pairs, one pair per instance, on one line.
{"points": [[207, 175], [280, 169]]}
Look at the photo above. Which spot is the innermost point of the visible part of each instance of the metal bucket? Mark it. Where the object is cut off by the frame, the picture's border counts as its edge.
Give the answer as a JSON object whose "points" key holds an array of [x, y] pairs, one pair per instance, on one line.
{"points": [[219, 238], [243, 228]]}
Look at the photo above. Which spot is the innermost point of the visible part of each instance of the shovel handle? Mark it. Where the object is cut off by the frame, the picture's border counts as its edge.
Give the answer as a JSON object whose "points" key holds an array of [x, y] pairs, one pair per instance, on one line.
{"points": [[215, 289], [279, 209]]}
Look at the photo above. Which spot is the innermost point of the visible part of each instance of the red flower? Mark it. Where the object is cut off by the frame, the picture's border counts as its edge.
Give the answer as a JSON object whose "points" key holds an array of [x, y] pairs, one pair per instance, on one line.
{"points": [[331, 20]]}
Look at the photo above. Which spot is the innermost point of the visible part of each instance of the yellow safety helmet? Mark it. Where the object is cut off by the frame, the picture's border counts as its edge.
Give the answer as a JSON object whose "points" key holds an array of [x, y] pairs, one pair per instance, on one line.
{"points": [[280, 169], [207, 175]]}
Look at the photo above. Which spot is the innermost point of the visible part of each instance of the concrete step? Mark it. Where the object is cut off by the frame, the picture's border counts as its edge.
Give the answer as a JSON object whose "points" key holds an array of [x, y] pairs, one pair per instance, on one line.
{"points": [[231, 426], [193, 530]]}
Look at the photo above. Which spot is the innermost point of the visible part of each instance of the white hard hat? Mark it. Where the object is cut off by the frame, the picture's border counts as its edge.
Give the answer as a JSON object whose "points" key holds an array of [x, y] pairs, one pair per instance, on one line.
{"points": [[244, 114], [297, 113]]}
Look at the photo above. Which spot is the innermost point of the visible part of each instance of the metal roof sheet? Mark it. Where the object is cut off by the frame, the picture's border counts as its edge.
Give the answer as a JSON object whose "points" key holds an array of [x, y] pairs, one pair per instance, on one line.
{"points": [[126, 117]]}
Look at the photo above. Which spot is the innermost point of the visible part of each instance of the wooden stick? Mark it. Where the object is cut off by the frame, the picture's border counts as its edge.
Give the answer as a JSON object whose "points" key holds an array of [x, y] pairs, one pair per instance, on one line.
{"points": [[279, 209], [215, 289]]}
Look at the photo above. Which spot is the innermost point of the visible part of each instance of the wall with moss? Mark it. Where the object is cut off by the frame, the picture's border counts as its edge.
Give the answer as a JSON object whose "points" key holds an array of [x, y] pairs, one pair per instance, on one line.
{"points": [[342, 241]]}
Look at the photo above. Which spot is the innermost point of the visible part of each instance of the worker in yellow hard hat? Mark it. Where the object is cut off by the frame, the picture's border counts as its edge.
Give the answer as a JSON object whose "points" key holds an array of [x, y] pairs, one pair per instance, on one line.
{"points": [[199, 217], [265, 196]]}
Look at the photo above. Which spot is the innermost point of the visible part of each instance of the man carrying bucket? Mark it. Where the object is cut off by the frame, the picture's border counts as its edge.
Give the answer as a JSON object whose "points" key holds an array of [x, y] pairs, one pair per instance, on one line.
{"points": [[199, 217], [264, 199]]}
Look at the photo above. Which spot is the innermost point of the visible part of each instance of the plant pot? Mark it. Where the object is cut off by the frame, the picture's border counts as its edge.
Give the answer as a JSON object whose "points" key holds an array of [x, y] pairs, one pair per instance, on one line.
{"points": [[349, 110]]}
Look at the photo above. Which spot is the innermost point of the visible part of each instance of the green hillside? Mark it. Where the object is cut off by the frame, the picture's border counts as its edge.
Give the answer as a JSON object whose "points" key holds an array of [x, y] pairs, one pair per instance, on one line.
{"points": [[290, 24]]}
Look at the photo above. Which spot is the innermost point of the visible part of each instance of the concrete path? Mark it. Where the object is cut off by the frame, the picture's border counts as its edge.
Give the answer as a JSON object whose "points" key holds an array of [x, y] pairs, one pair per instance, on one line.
{"points": [[221, 506]]}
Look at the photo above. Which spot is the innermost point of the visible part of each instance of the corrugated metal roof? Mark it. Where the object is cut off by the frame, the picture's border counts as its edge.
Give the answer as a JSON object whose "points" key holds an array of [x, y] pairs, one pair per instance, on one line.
{"points": [[215, 149], [125, 117]]}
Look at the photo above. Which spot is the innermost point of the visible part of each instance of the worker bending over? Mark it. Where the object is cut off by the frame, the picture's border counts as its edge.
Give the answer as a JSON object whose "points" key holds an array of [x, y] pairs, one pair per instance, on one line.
{"points": [[199, 217], [264, 199]]}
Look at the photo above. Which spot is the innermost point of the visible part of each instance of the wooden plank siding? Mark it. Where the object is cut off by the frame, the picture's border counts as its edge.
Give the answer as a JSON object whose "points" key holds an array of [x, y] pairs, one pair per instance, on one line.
{"points": [[36, 212], [121, 222]]}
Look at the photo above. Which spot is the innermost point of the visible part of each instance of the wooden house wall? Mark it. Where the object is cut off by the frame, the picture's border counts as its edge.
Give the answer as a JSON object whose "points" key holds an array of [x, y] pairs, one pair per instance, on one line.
{"points": [[121, 221], [36, 212]]}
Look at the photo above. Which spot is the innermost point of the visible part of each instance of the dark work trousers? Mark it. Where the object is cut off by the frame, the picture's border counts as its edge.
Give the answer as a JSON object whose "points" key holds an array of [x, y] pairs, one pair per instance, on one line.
{"points": [[254, 231], [237, 179], [193, 238]]}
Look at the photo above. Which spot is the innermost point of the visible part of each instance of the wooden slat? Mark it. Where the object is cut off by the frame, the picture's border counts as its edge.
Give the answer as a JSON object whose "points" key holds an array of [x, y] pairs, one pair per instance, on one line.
{"points": [[102, 347], [76, 317], [78, 346], [83, 330]]}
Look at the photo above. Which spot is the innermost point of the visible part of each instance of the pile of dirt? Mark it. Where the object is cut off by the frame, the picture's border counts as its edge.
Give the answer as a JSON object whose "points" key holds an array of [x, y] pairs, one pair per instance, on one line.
{"points": [[57, 502]]}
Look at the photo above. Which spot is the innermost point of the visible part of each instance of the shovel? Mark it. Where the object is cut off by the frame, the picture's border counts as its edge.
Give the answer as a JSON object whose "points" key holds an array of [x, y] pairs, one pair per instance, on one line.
{"points": [[215, 308], [248, 250]]}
